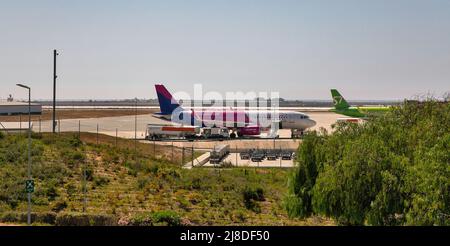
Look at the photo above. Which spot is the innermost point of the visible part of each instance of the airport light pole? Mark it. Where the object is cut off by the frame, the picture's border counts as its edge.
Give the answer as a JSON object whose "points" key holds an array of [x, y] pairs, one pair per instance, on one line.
{"points": [[135, 130], [55, 53], [29, 182]]}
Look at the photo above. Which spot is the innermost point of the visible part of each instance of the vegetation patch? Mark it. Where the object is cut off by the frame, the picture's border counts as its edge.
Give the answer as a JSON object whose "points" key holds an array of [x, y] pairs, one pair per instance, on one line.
{"points": [[392, 170]]}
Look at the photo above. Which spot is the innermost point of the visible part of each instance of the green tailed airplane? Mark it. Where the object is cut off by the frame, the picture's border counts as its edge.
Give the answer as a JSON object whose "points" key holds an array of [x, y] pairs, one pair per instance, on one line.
{"points": [[341, 106]]}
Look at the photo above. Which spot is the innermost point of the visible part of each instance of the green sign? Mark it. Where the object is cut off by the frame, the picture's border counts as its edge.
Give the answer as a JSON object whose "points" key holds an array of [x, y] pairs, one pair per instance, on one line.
{"points": [[29, 186]]}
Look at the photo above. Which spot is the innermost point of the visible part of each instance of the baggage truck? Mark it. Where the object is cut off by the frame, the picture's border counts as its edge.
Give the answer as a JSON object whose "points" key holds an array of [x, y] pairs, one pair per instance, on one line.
{"points": [[170, 131]]}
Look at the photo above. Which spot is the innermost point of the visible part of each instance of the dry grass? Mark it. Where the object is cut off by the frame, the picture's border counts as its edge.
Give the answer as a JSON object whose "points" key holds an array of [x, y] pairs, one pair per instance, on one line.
{"points": [[77, 114], [144, 149]]}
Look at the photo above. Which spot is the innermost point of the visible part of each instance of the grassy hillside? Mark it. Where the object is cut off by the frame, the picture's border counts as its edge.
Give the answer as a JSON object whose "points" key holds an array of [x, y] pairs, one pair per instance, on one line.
{"points": [[144, 189]]}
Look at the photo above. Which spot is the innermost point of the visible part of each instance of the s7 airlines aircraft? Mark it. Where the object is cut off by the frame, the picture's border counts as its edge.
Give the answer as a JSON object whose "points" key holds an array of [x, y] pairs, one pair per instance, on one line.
{"points": [[241, 122], [341, 106]]}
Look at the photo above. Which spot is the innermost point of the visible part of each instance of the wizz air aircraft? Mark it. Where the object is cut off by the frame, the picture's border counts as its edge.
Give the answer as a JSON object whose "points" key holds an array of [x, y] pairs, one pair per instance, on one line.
{"points": [[240, 122]]}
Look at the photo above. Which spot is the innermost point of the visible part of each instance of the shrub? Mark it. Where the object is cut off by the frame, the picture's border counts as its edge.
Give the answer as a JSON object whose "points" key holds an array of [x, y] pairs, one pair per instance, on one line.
{"points": [[251, 196], [169, 218], [59, 205], [142, 181], [79, 219], [21, 217], [196, 183], [141, 219], [101, 180]]}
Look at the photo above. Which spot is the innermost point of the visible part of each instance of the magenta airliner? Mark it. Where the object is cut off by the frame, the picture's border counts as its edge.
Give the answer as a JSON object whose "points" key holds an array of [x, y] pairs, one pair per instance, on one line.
{"points": [[240, 122]]}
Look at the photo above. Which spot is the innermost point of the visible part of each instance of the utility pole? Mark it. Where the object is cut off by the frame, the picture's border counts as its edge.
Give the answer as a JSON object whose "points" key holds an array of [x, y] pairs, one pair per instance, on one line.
{"points": [[29, 184], [85, 181], [135, 130], [55, 53]]}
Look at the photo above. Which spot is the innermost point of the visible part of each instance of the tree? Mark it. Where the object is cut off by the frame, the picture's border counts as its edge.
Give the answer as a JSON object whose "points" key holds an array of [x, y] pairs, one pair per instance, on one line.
{"points": [[392, 170]]}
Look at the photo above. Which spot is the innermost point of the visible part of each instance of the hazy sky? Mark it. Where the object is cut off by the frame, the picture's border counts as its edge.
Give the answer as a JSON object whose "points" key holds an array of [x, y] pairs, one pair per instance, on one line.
{"points": [[378, 49]]}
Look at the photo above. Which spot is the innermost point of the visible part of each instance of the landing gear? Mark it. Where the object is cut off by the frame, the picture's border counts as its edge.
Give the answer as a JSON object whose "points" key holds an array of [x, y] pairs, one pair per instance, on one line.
{"points": [[233, 135]]}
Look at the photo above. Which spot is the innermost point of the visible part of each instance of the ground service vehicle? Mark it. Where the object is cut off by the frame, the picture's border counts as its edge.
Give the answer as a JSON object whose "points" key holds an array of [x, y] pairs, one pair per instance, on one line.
{"points": [[215, 132], [258, 155], [350, 120], [272, 155], [219, 153], [286, 155], [169, 131]]}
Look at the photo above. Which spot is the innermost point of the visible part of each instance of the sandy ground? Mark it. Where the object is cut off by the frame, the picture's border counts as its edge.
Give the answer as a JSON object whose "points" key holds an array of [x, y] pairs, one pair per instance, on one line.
{"points": [[76, 114]]}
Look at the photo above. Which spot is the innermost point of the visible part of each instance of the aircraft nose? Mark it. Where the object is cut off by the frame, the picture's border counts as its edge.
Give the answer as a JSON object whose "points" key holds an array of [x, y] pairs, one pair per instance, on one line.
{"points": [[311, 123]]}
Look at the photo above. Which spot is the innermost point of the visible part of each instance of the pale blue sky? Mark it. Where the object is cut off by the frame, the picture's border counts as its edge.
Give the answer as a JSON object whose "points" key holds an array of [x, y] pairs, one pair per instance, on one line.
{"points": [[379, 49]]}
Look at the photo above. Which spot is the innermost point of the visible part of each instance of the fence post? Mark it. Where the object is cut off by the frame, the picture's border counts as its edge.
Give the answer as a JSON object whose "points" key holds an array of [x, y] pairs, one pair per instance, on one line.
{"points": [[281, 157], [20, 124], [182, 157], [192, 155], [39, 124], [59, 126], [236, 156], [79, 129], [172, 151], [116, 138], [97, 133]]}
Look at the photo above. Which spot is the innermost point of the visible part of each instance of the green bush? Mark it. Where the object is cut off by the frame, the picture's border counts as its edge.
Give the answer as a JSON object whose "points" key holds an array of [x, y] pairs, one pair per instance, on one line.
{"points": [[59, 205], [251, 196], [169, 218], [392, 170], [141, 219], [101, 181], [142, 181]]}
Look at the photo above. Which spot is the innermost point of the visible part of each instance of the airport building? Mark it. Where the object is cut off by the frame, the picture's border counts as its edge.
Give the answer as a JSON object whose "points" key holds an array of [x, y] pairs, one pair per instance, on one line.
{"points": [[13, 108]]}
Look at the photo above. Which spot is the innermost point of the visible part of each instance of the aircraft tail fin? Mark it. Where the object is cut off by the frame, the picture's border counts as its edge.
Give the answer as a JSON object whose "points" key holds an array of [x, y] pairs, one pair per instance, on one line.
{"points": [[338, 100], [167, 103]]}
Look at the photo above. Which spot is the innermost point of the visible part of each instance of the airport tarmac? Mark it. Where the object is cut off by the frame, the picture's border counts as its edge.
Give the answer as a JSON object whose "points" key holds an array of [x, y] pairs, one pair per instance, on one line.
{"points": [[125, 126]]}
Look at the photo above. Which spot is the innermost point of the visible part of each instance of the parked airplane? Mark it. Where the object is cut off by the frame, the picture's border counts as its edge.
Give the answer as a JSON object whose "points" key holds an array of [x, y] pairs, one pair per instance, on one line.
{"points": [[240, 122], [341, 106]]}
